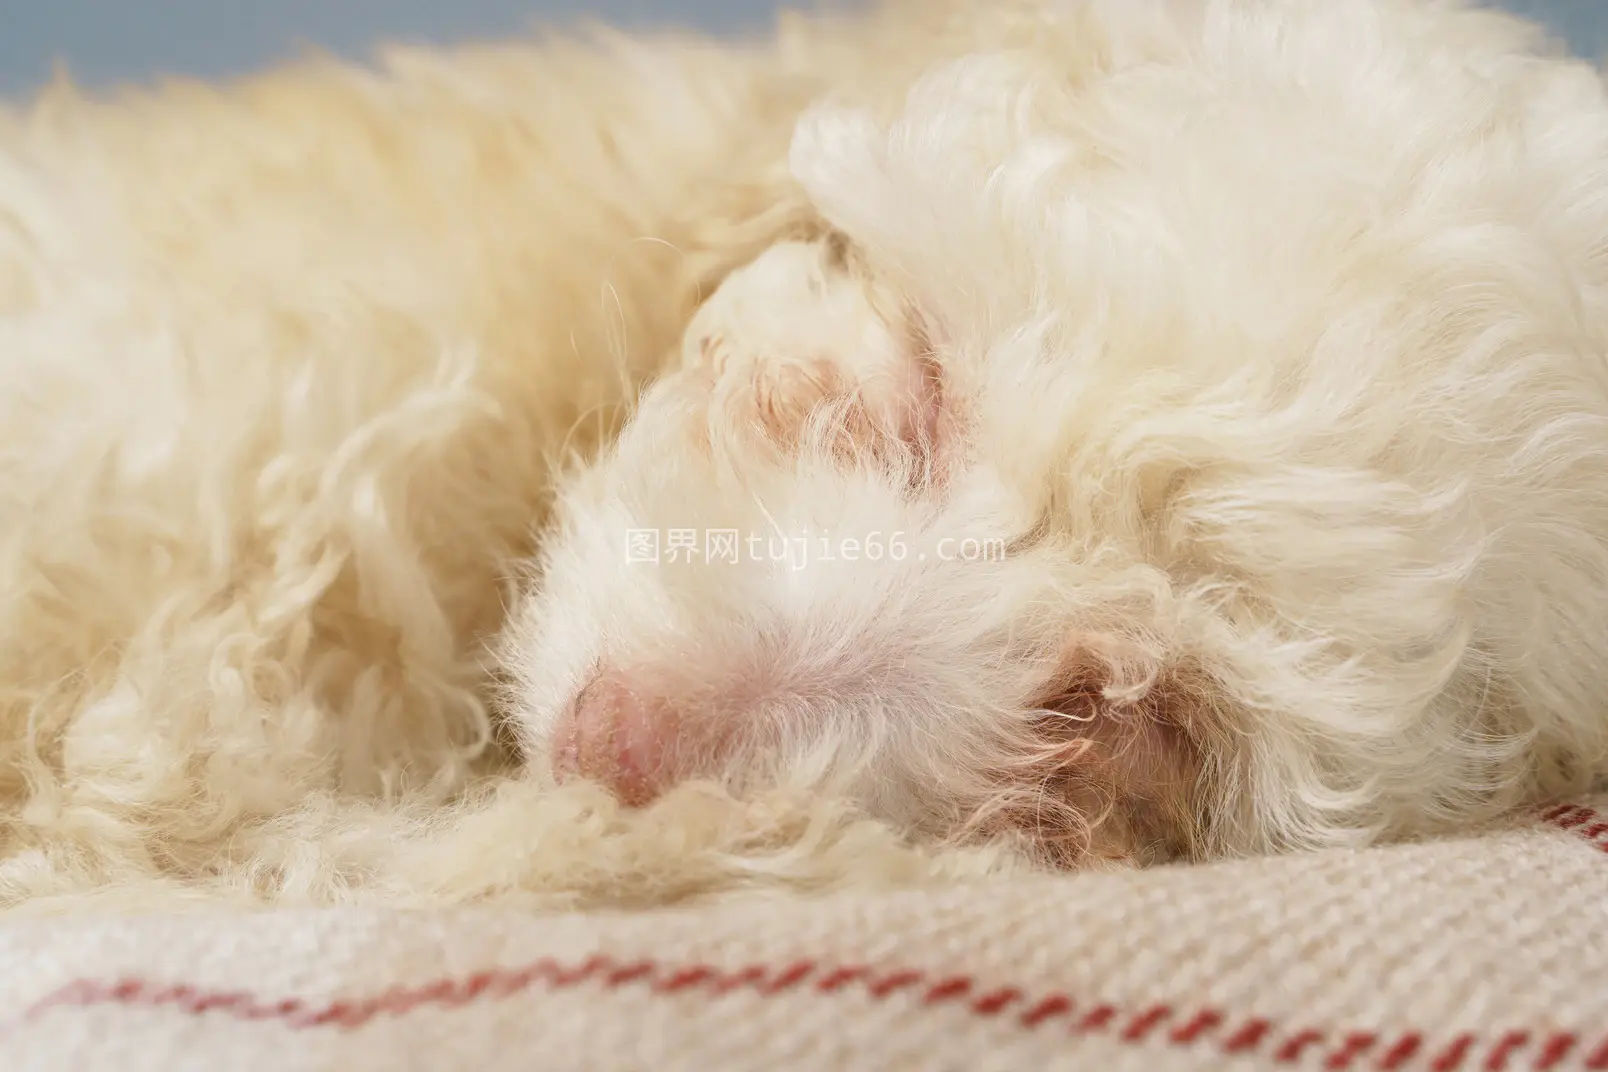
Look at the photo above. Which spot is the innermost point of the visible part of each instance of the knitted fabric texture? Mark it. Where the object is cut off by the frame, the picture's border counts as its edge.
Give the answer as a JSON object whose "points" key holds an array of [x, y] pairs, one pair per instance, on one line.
{"points": [[1485, 952]]}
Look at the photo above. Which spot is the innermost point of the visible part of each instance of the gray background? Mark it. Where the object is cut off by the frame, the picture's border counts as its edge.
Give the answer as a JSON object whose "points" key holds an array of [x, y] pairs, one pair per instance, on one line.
{"points": [[103, 42]]}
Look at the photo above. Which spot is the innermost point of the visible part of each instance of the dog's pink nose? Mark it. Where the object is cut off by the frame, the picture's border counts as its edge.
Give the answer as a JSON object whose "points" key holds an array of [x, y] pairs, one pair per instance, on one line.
{"points": [[613, 735]]}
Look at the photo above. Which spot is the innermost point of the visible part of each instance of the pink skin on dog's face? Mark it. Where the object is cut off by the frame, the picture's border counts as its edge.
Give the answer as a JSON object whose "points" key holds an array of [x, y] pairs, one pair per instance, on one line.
{"points": [[613, 733]]}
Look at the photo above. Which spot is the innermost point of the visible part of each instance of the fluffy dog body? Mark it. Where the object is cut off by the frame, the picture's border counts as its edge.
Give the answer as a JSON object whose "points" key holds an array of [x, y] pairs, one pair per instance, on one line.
{"points": [[1269, 336]]}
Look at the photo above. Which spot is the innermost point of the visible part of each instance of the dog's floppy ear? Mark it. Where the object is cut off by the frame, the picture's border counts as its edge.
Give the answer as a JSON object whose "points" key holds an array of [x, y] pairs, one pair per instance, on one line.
{"points": [[1122, 733], [801, 348]]}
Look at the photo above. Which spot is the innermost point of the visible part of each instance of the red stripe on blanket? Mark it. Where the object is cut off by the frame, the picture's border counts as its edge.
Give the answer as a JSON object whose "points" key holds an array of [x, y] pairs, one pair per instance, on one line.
{"points": [[1586, 823], [1207, 1030], [1204, 1029]]}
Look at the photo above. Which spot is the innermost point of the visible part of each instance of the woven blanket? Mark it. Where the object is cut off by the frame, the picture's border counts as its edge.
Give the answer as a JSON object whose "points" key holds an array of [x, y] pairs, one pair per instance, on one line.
{"points": [[1485, 952]]}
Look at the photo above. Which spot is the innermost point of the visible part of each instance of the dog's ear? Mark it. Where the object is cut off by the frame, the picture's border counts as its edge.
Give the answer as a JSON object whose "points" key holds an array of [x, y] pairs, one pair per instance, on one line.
{"points": [[801, 349], [1121, 738]]}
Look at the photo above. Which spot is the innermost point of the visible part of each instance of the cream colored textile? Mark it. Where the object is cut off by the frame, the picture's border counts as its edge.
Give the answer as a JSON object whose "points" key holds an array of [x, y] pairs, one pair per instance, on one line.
{"points": [[1487, 952]]}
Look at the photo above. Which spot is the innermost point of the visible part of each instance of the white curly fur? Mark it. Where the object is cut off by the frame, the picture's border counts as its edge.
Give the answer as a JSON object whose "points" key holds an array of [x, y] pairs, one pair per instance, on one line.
{"points": [[1270, 333]]}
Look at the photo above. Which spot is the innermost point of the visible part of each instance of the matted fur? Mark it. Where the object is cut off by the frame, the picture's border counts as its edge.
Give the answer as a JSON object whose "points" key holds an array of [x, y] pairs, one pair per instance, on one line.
{"points": [[1270, 332]]}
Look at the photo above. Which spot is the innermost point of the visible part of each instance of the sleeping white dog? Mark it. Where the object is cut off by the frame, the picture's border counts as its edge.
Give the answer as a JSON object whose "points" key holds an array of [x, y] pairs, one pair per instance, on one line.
{"points": [[1125, 431], [1264, 342]]}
